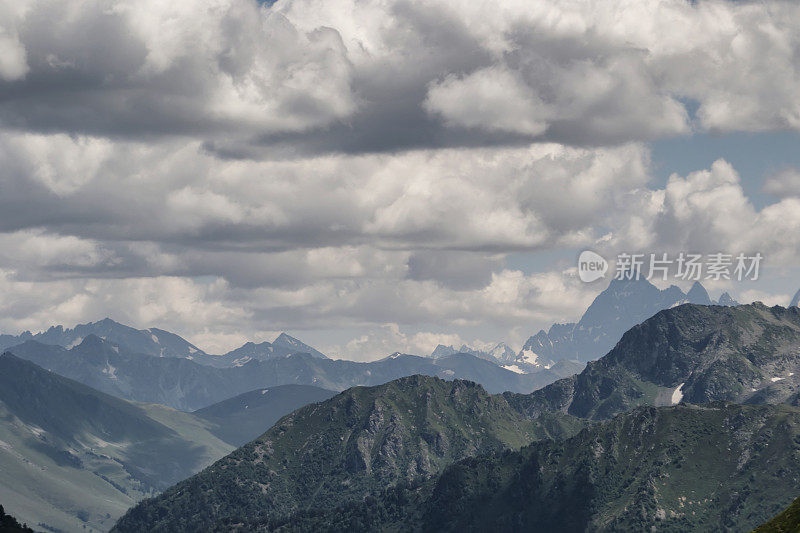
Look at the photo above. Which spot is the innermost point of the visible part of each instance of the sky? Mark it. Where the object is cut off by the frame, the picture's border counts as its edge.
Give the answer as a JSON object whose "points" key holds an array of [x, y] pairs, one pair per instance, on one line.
{"points": [[376, 176]]}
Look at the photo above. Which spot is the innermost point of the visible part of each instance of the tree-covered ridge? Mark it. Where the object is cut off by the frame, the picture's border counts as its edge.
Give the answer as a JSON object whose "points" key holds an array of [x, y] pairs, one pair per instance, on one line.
{"points": [[720, 467], [9, 524], [344, 449]]}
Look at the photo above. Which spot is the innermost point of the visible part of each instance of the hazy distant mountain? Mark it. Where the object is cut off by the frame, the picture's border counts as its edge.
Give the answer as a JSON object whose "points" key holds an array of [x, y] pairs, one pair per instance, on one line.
{"points": [[242, 418], [726, 300], [160, 343], [72, 457], [151, 341], [500, 353], [282, 346], [187, 385], [795, 300], [615, 310]]}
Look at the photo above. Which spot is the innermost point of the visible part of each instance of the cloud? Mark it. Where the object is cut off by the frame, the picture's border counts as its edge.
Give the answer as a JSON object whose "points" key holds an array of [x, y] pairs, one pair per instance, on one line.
{"points": [[176, 194], [784, 183], [228, 169], [492, 99], [155, 68], [708, 212], [303, 77]]}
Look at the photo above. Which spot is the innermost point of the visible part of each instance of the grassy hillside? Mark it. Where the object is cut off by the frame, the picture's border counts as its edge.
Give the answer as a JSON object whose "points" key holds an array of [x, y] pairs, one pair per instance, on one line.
{"points": [[243, 418], [71, 456], [344, 449], [786, 522]]}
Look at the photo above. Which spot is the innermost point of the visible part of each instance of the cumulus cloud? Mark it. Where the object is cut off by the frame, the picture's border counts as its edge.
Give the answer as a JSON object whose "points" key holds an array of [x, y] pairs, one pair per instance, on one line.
{"points": [[143, 68], [305, 77], [488, 199], [784, 183], [492, 99], [229, 169]]}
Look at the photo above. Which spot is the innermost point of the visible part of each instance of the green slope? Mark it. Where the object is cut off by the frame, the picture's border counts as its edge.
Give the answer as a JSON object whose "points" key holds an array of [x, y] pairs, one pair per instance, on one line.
{"points": [[786, 522], [244, 417], [71, 456], [721, 467], [343, 449]]}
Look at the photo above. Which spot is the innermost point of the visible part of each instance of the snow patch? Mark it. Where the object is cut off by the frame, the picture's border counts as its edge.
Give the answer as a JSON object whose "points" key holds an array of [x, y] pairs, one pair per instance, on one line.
{"points": [[775, 379], [36, 430], [110, 371], [448, 372], [264, 391], [74, 343], [242, 360], [529, 356], [677, 394], [514, 368]]}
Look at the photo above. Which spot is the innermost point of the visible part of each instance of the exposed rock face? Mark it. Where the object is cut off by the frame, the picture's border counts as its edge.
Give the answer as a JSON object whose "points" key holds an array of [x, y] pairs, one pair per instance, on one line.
{"points": [[340, 450], [745, 354], [617, 309]]}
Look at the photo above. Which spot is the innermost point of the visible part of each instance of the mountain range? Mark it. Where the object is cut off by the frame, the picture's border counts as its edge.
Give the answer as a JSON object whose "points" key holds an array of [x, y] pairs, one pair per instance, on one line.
{"points": [[187, 385], [443, 447], [618, 308], [622, 305], [160, 343], [699, 354], [624, 471], [500, 353], [72, 456], [343, 450], [718, 467]]}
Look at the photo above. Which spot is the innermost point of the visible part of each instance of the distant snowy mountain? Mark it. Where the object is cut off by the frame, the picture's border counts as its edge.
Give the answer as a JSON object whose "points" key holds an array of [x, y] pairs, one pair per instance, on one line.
{"points": [[621, 306], [500, 353], [284, 345], [795, 300]]}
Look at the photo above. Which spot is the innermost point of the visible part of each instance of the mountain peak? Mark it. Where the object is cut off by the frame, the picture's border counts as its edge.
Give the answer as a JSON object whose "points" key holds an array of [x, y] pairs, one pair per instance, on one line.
{"points": [[91, 340], [698, 294], [285, 338], [795, 300], [726, 300]]}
